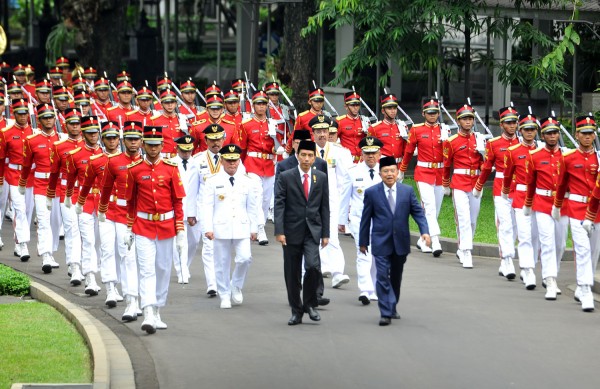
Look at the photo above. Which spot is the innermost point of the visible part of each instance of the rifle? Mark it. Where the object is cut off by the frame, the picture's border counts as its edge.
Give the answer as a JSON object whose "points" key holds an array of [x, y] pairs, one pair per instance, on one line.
{"points": [[567, 133], [366, 121], [110, 94], [248, 91], [454, 125], [280, 112], [538, 139], [327, 102], [58, 128], [7, 103], [402, 126], [153, 95], [291, 105], [480, 138]]}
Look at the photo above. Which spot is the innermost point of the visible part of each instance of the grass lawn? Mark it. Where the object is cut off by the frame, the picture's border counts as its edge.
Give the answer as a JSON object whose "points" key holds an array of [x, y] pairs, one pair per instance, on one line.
{"points": [[39, 345]]}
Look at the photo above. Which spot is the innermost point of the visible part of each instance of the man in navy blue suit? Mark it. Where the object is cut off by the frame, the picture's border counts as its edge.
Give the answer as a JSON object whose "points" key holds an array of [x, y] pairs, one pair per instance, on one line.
{"points": [[386, 209]]}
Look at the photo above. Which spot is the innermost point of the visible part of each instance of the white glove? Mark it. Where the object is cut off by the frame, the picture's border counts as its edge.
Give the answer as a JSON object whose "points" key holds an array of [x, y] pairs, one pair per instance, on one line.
{"points": [[588, 226], [49, 203], [555, 213], [280, 150], [526, 211], [477, 193], [504, 195], [285, 155], [180, 241], [21, 190], [68, 202], [128, 239], [78, 209], [447, 191], [101, 216], [400, 176]]}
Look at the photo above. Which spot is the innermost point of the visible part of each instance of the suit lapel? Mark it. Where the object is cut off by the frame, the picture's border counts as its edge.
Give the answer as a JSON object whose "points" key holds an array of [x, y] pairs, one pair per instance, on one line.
{"points": [[312, 176], [383, 190]]}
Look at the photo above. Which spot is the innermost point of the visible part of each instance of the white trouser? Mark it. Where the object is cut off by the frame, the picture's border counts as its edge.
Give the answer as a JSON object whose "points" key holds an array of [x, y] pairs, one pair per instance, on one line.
{"points": [[192, 235], [466, 211], [431, 200], [29, 205], [243, 258], [529, 244], [90, 242], [584, 247], [20, 223], [505, 226], [268, 184], [108, 248], [365, 268], [72, 234], [332, 256], [154, 259], [595, 242], [48, 223], [553, 240], [3, 201], [208, 260]]}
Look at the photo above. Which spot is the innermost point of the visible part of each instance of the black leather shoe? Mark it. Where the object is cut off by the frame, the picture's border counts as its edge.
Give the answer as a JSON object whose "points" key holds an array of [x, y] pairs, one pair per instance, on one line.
{"points": [[322, 301], [396, 316], [313, 314], [385, 321], [212, 293], [295, 319], [364, 300]]}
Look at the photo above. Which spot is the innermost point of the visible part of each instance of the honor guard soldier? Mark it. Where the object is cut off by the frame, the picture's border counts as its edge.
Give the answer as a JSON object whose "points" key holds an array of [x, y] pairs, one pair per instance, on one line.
{"points": [[36, 151], [578, 178], [55, 194], [231, 100], [210, 91], [61, 102], [143, 112], [43, 90], [316, 101], [332, 256], [90, 75], [56, 76], [185, 146], [82, 101], [214, 107], [112, 215], [363, 175], [155, 216], [428, 137], [188, 95], [462, 158], [79, 84], [495, 150], [15, 93], [163, 84], [350, 126], [230, 221], [102, 92], [240, 86], [173, 125], [12, 141], [202, 165], [387, 130], [63, 64], [88, 201], [544, 166], [77, 162], [118, 113], [279, 113], [514, 188]]}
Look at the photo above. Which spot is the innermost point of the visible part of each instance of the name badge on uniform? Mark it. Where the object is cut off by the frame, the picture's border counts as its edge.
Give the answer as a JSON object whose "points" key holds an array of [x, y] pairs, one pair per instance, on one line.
{"points": [[578, 166], [203, 166], [503, 149], [84, 161], [545, 163], [42, 146], [145, 178], [462, 147], [220, 186], [424, 136], [521, 157], [16, 137], [255, 131], [124, 167], [359, 179]]}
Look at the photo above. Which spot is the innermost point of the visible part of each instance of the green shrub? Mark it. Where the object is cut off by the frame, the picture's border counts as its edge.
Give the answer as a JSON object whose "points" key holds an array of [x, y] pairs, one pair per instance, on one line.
{"points": [[12, 282]]}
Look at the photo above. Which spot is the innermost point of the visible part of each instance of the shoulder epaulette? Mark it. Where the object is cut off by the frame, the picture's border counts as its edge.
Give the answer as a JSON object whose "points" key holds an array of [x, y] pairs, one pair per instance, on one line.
{"points": [[248, 120], [93, 157], [169, 162], [132, 164], [197, 122], [115, 154], [8, 127], [75, 150], [452, 137], [56, 143], [494, 139], [227, 121], [303, 113], [131, 112], [209, 176], [111, 108], [514, 147], [535, 151], [32, 136], [569, 152], [335, 144], [338, 118], [376, 123], [354, 165], [418, 124], [156, 116]]}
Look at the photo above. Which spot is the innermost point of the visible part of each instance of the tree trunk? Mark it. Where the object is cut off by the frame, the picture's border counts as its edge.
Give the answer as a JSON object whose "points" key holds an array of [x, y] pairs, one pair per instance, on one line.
{"points": [[101, 31], [300, 60]]}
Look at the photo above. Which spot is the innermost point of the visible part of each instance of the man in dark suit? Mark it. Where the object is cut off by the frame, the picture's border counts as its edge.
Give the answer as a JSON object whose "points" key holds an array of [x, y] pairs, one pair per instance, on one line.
{"points": [[386, 209], [301, 221], [290, 163]]}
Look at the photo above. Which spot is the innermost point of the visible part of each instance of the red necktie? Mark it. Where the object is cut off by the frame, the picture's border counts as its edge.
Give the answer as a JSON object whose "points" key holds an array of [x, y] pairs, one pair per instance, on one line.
{"points": [[305, 184]]}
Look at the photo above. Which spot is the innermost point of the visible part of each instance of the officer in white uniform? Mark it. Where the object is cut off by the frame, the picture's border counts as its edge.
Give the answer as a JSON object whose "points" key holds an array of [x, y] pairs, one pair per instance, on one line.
{"points": [[231, 214], [363, 175]]}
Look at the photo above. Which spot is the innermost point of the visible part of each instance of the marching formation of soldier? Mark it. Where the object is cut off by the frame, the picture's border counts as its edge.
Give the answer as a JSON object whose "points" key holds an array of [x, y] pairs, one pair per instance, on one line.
{"points": [[135, 178]]}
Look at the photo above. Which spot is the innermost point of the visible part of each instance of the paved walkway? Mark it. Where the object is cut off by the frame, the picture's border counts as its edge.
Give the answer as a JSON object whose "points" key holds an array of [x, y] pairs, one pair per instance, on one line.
{"points": [[459, 328]]}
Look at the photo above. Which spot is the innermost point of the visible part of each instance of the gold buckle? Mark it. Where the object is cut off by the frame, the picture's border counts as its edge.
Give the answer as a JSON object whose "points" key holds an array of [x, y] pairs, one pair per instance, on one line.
{"points": [[95, 191], [553, 193], [434, 165], [156, 217], [472, 172]]}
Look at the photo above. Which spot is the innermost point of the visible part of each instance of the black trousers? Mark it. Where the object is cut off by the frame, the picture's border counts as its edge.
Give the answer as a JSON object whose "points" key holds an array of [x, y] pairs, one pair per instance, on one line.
{"points": [[292, 268]]}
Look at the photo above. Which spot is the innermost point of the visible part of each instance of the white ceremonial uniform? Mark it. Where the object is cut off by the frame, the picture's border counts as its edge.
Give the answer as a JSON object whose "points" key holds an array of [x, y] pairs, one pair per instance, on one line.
{"points": [[231, 213], [332, 256], [361, 178]]}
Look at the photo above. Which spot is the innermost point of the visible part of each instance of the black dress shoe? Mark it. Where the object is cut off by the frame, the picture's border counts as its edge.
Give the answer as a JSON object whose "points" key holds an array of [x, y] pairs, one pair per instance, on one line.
{"points": [[212, 293], [396, 316], [313, 314], [322, 301], [295, 319], [364, 300], [385, 321]]}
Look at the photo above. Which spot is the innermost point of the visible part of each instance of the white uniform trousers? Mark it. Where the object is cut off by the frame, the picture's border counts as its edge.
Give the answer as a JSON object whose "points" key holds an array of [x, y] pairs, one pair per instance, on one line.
{"points": [[595, 246], [243, 259], [268, 184], [108, 248], [208, 260], [584, 247], [366, 271], [192, 235], [529, 244], [431, 200], [72, 234], [332, 256], [48, 224], [466, 211], [125, 266], [3, 201], [553, 240], [90, 242], [155, 258], [29, 205], [20, 222], [505, 226]]}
